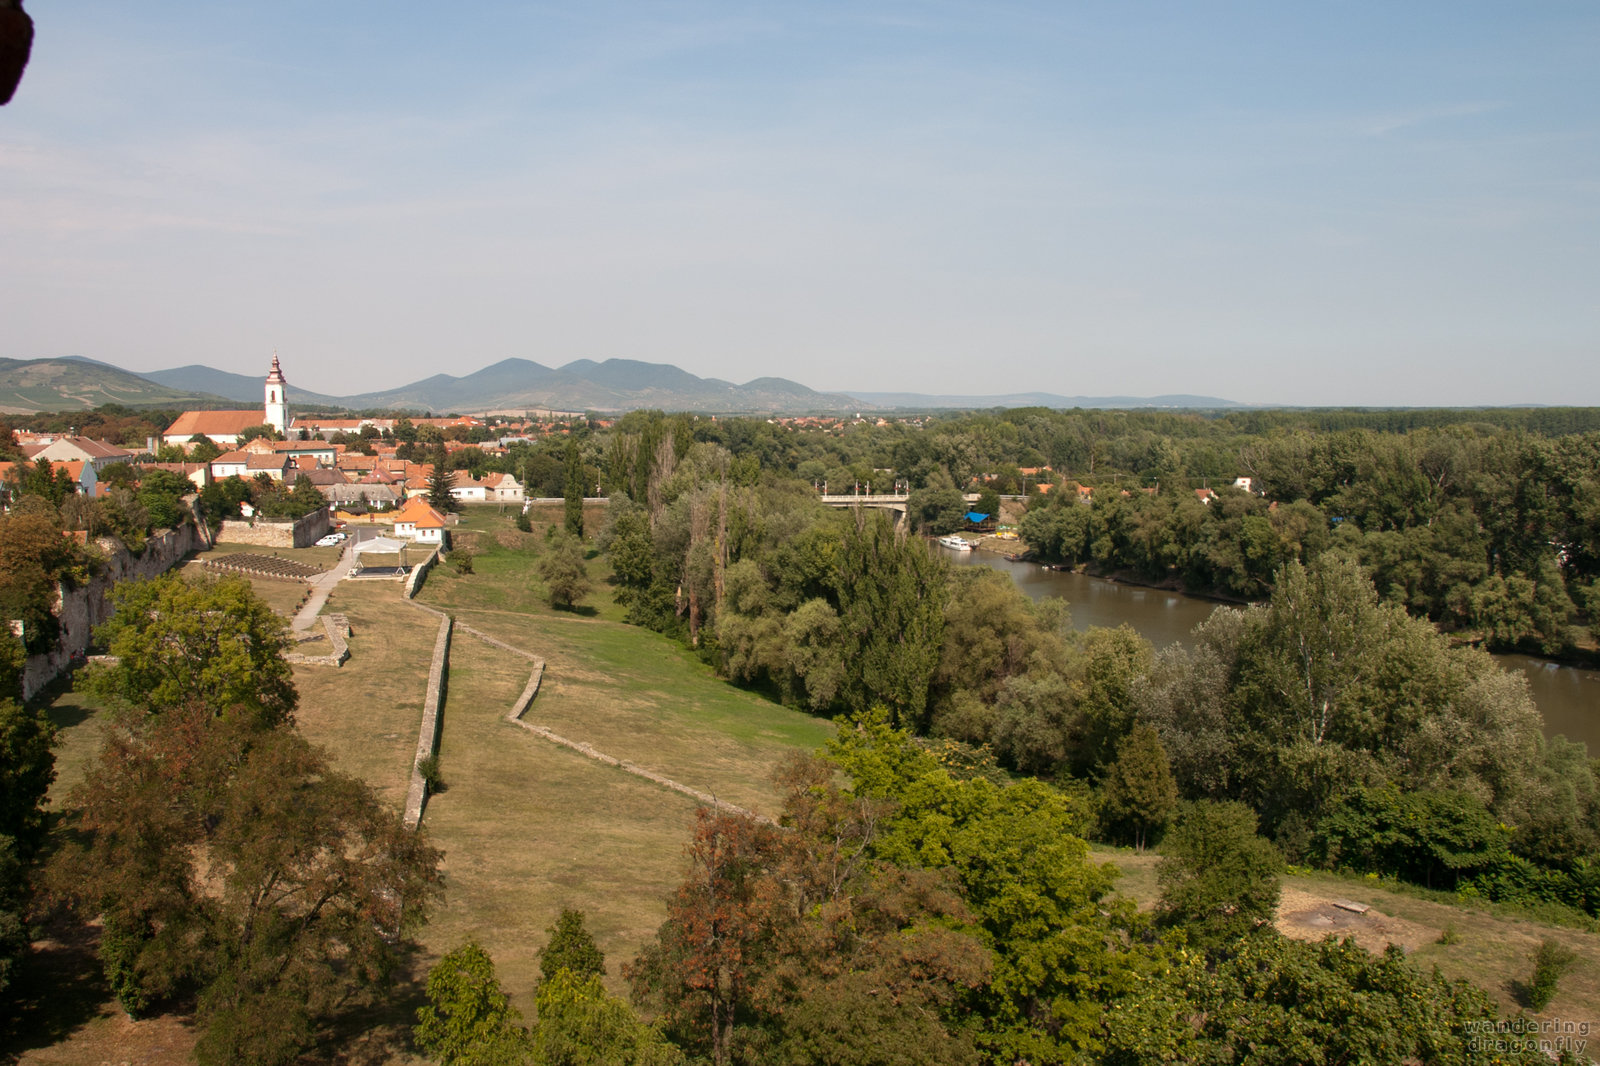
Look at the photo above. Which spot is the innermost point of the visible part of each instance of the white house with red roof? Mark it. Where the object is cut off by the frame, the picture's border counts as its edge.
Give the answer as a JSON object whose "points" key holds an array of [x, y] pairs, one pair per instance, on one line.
{"points": [[420, 522]]}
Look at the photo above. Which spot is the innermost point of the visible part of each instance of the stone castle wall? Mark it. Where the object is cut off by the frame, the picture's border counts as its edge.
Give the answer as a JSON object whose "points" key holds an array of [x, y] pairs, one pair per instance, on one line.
{"points": [[277, 532], [81, 609]]}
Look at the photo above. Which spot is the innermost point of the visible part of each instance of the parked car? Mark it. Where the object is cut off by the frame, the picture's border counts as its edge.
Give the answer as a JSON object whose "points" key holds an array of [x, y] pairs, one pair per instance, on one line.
{"points": [[329, 541]]}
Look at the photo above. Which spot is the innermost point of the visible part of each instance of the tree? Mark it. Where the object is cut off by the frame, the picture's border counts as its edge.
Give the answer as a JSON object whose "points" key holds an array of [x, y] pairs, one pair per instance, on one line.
{"points": [[573, 487], [571, 948], [1274, 1001], [565, 575], [1219, 880], [27, 767], [213, 641], [891, 595], [44, 480], [1140, 794], [202, 449], [440, 478], [580, 1024], [469, 1019], [34, 560], [265, 431], [229, 860], [702, 967]]}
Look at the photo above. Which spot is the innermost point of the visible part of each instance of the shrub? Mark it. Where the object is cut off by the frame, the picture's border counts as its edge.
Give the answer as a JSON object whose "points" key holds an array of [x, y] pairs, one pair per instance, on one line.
{"points": [[1551, 959], [432, 779]]}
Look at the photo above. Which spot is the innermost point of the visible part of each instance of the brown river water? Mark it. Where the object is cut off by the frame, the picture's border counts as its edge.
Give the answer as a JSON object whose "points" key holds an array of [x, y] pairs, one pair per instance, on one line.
{"points": [[1568, 698]]}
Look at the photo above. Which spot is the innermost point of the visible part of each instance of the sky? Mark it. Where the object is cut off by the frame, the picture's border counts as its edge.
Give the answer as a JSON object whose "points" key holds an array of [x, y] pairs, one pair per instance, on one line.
{"points": [[1276, 203]]}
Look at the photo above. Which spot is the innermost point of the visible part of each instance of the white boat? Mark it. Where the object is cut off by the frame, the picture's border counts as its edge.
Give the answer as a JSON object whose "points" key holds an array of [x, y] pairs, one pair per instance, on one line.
{"points": [[956, 543]]}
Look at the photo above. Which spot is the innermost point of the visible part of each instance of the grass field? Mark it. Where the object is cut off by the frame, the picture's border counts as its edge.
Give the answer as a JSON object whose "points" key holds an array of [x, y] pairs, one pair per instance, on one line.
{"points": [[529, 827]]}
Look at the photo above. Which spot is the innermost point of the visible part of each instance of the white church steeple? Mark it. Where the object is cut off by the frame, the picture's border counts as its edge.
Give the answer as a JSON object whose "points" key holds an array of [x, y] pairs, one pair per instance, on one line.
{"points": [[277, 410]]}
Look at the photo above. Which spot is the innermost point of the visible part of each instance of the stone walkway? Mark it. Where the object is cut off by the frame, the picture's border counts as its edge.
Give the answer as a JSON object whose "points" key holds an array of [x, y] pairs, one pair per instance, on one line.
{"points": [[322, 585]]}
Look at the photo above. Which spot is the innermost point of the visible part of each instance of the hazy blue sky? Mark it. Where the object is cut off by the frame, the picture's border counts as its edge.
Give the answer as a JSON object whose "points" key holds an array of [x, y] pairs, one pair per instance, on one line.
{"points": [[1365, 203]]}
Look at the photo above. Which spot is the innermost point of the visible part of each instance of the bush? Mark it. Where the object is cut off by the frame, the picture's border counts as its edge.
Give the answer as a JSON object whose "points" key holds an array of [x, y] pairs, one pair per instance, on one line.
{"points": [[432, 778], [1219, 879], [1551, 959]]}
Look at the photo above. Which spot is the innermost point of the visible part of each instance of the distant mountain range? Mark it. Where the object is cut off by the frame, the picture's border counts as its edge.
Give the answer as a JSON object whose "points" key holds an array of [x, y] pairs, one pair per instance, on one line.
{"points": [[75, 382]]}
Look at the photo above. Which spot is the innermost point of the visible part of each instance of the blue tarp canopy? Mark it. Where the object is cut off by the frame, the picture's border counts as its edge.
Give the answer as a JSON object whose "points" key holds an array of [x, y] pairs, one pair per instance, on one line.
{"points": [[974, 516]]}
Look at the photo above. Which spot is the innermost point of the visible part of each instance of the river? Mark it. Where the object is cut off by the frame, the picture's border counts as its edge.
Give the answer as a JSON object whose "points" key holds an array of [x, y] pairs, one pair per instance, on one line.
{"points": [[1568, 698]]}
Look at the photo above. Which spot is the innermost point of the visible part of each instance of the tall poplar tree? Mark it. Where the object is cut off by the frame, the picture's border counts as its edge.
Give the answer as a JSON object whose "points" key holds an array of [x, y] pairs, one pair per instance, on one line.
{"points": [[574, 490], [892, 594]]}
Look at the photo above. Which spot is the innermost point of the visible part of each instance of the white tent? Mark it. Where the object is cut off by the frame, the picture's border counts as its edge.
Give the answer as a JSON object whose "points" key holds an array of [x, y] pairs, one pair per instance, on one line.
{"points": [[383, 546], [380, 544]]}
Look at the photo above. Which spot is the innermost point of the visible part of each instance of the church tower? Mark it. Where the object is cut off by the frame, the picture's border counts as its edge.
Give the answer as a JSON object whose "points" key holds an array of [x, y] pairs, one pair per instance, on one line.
{"points": [[277, 412]]}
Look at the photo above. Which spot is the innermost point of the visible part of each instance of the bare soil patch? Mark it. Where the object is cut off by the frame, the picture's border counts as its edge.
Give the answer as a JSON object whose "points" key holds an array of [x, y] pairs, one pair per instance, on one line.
{"points": [[1310, 916]]}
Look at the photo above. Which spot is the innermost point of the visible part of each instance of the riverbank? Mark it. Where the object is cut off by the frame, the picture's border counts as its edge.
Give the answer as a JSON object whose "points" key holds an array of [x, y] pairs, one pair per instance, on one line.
{"points": [[1568, 697]]}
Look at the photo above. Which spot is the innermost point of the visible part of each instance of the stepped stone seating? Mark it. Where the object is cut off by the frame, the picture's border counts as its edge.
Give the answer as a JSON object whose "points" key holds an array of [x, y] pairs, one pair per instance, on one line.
{"points": [[264, 566]]}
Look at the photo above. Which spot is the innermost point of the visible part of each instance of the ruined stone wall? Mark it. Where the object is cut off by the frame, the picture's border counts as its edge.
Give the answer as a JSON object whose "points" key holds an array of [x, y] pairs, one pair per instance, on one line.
{"points": [[277, 532], [81, 609]]}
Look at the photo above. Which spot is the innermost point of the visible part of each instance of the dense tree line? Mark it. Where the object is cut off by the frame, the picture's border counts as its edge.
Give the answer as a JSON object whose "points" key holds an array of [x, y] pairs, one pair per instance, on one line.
{"points": [[1330, 712]]}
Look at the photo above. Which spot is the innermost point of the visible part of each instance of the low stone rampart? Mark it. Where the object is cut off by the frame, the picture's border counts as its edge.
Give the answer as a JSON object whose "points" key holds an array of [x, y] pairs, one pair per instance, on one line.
{"points": [[428, 737], [416, 799], [337, 629], [419, 573]]}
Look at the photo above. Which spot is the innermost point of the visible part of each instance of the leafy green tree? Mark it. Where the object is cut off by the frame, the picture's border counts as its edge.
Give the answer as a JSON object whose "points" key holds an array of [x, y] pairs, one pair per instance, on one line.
{"points": [[469, 1019], [1219, 880], [42, 479], [1274, 1001], [178, 641], [800, 946], [202, 449], [580, 1024], [573, 490], [1019, 861], [564, 572], [571, 948], [1434, 837], [1139, 795], [34, 560], [937, 507], [265, 431]]}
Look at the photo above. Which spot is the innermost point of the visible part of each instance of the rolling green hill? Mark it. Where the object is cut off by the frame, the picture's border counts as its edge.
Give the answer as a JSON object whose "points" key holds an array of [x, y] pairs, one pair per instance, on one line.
{"points": [[28, 386]]}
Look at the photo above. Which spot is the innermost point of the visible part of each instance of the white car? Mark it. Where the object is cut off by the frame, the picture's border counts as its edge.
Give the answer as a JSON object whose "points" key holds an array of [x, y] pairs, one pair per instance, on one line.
{"points": [[329, 541]]}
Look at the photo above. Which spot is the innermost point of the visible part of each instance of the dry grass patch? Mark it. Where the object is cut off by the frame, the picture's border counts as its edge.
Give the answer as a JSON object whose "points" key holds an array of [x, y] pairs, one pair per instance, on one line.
{"points": [[367, 712], [529, 828]]}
